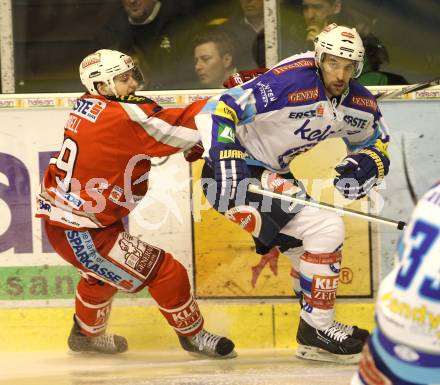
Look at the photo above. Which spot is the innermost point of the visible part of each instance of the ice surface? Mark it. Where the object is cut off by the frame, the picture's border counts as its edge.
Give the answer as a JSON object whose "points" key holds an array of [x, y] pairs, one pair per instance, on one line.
{"points": [[256, 367]]}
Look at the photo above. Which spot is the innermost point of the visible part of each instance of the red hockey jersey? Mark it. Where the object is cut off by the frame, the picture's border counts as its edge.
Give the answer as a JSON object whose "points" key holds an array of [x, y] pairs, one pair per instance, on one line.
{"points": [[101, 171]]}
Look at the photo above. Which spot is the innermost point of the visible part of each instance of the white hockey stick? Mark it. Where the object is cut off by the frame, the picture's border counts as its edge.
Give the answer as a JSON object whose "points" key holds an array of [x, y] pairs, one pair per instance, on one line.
{"points": [[408, 89], [353, 213]]}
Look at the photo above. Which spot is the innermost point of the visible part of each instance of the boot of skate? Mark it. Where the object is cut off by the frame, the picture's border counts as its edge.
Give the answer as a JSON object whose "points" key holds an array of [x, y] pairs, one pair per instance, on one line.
{"points": [[106, 343]]}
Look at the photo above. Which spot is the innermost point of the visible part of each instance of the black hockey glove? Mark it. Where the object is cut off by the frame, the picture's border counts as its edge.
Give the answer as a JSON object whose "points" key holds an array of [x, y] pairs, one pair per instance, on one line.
{"points": [[359, 172], [231, 174]]}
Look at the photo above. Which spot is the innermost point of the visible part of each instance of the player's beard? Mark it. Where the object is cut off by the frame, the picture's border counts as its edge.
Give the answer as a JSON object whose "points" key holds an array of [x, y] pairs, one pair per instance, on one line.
{"points": [[337, 88]]}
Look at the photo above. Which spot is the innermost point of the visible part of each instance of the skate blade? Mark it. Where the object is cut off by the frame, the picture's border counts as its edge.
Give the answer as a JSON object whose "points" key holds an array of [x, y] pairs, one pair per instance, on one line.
{"points": [[233, 354], [91, 353], [317, 354]]}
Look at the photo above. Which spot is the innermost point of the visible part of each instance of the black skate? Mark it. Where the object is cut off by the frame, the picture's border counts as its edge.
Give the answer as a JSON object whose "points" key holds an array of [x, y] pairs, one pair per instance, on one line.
{"points": [[353, 331], [330, 344], [107, 343], [205, 344]]}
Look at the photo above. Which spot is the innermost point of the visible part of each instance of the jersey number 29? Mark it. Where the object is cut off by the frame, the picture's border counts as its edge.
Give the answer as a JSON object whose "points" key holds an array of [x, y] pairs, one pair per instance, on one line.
{"points": [[66, 163]]}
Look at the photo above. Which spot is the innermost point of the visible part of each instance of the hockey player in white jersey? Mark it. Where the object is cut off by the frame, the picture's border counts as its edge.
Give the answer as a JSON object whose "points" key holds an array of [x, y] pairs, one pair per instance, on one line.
{"points": [[252, 132], [404, 349]]}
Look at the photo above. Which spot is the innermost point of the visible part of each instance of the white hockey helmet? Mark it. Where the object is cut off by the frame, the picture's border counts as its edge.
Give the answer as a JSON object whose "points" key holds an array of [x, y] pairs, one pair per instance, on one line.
{"points": [[340, 41], [103, 65]]}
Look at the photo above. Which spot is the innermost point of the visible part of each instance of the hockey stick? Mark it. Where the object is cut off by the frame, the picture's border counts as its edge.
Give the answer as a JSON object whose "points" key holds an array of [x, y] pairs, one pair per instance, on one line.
{"points": [[357, 214], [408, 89]]}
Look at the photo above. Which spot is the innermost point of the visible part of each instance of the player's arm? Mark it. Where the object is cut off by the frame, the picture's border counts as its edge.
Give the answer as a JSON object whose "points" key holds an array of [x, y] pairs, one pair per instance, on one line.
{"points": [[241, 77], [163, 131], [217, 123], [368, 162]]}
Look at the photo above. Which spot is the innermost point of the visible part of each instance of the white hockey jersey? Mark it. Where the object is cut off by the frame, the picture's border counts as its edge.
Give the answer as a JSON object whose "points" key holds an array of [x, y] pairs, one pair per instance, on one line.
{"points": [[285, 112], [408, 307]]}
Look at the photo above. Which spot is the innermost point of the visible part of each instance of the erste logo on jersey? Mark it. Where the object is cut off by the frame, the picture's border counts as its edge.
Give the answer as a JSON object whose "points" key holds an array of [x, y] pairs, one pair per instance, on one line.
{"points": [[355, 121], [316, 112], [89, 109]]}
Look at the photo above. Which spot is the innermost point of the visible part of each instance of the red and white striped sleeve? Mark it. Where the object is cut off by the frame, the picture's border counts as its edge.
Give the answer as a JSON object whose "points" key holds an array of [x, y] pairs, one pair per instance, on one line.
{"points": [[163, 131]]}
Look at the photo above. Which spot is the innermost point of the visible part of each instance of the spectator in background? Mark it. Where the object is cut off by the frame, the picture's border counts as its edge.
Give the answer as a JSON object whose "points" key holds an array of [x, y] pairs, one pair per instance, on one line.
{"points": [[139, 59], [247, 28], [302, 21], [318, 14], [300, 25], [375, 56], [149, 28], [214, 55]]}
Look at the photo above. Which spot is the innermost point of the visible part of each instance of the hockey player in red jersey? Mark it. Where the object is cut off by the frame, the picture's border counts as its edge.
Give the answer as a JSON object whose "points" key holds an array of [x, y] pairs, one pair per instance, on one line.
{"points": [[96, 179]]}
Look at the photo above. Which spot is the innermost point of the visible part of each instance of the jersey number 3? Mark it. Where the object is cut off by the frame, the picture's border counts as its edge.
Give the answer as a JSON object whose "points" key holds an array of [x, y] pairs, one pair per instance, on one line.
{"points": [[424, 235]]}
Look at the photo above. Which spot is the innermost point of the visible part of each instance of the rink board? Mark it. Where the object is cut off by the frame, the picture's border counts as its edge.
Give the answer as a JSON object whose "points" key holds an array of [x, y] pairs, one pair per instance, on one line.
{"points": [[37, 287], [249, 325], [224, 254], [30, 270]]}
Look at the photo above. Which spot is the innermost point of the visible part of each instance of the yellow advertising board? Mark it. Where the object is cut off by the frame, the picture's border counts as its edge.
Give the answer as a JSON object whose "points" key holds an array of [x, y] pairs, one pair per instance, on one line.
{"points": [[225, 254]]}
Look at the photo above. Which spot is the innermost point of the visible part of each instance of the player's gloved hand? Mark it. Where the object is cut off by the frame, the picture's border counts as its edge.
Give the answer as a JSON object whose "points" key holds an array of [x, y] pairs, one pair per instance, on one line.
{"points": [[230, 174], [194, 153], [359, 172], [243, 76]]}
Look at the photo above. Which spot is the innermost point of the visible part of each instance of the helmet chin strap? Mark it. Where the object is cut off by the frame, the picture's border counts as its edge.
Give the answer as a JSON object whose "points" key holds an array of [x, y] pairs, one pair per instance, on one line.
{"points": [[112, 87]]}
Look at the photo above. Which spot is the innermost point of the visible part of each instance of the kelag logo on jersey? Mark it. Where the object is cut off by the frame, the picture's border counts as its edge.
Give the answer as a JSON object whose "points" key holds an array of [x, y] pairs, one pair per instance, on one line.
{"points": [[311, 135], [89, 108]]}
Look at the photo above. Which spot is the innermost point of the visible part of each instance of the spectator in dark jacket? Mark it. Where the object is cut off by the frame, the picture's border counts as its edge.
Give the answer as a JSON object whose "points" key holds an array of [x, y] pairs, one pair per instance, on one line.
{"points": [[247, 29], [152, 29]]}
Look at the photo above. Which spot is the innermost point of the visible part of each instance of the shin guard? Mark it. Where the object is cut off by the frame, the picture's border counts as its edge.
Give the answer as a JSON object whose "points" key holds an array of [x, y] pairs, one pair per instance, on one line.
{"points": [[319, 276], [93, 305], [171, 289]]}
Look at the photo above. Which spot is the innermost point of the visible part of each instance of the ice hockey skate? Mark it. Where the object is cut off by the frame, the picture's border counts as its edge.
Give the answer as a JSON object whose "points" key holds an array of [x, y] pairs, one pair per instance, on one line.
{"points": [[205, 344], [107, 343], [331, 344], [352, 330]]}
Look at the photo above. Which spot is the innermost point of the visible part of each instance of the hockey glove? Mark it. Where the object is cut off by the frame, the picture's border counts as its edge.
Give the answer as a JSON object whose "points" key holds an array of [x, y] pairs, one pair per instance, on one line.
{"points": [[241, 77], [194, 153], [359, 172], [230, 174]]}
